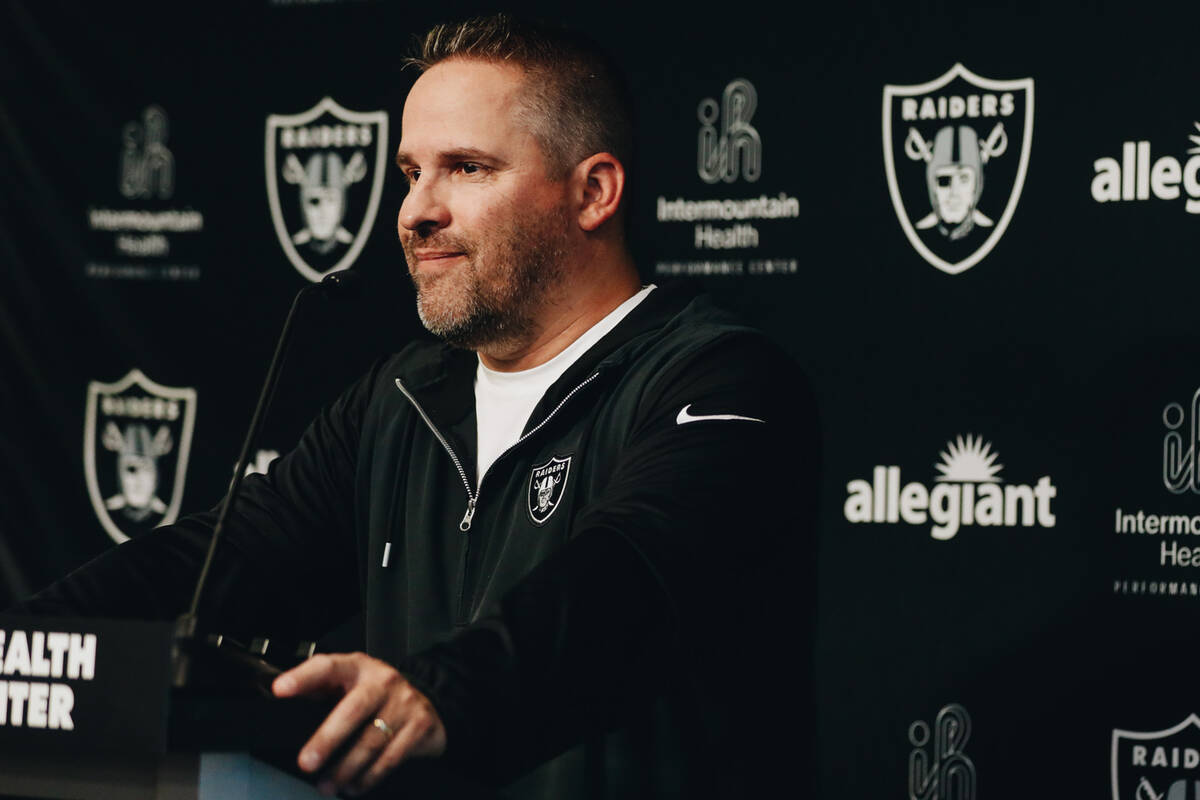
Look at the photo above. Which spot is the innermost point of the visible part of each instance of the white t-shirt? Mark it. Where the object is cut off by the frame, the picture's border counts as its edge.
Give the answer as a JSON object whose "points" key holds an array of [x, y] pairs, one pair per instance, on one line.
{"points": [[504, 400]]}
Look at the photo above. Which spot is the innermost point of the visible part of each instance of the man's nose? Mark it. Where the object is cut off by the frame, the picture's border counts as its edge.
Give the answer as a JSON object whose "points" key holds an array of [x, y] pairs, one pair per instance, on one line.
{"points": [[424, 207]]}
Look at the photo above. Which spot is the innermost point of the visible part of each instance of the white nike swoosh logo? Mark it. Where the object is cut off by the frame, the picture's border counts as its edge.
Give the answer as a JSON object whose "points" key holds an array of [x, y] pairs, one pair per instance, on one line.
{"points": [[684, 416]]}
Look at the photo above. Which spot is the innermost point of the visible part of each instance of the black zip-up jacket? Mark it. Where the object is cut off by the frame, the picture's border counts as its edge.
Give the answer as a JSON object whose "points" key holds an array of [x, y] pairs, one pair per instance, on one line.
{"points": [[634, 574]]}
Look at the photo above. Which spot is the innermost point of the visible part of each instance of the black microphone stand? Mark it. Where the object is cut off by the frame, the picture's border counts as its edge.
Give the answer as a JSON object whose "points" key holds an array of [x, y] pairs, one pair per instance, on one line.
{"points": [[199, 659]]}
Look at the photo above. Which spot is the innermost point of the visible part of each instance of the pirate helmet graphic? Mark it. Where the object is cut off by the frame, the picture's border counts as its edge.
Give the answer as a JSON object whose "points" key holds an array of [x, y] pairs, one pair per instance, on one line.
{"points": [[138, 451], [954, 176], [323, 182]]}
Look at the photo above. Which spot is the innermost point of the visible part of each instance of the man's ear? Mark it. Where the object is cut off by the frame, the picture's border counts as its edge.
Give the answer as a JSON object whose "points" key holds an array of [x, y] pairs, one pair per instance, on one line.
{"points": [[600, 186]]}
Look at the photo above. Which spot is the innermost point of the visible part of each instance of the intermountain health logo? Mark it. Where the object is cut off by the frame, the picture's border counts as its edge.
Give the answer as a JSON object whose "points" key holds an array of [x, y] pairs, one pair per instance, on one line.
{"points": [[147, 166], [1170, 531], [938, 769], [325, 169], [729, 234], [941, 139], [729, 145], [969, 491], [1157, 765], [1181, 447], [146, 235]]}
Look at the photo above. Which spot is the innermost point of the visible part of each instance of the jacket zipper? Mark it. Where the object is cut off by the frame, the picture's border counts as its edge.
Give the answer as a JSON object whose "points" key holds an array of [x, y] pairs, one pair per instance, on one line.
{"points": [[473, 494]]}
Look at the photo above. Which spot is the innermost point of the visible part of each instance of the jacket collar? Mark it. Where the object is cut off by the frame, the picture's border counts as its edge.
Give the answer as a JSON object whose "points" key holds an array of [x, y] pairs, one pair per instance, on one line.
{"points": [[442, 378]]}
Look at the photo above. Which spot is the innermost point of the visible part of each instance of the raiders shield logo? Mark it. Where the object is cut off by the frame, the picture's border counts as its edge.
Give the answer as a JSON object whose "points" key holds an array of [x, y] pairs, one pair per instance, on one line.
{"points": [[1157, 765], [325, 169], [956, 150], [546, 484], [136, 440]]}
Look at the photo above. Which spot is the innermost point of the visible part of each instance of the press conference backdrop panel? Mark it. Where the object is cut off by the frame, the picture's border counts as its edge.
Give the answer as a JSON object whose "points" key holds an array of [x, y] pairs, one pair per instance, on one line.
{"points": [[974, 227]]}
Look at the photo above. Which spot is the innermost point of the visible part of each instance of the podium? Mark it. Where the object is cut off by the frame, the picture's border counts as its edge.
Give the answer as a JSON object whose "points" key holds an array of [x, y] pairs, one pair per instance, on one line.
{"points": [[88, 711]]}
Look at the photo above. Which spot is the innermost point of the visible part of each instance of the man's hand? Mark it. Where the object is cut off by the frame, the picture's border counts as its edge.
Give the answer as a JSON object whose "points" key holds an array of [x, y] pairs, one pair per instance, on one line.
{"points": [[399, 721]]}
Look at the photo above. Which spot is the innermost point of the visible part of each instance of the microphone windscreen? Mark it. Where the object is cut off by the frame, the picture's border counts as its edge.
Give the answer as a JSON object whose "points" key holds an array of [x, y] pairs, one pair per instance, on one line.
{"points": [[343, 283]]}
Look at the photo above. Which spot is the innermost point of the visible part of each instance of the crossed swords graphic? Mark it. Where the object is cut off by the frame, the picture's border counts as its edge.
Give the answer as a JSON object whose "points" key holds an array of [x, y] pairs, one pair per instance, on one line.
{"points": [[1145, 791], [916, 148]]}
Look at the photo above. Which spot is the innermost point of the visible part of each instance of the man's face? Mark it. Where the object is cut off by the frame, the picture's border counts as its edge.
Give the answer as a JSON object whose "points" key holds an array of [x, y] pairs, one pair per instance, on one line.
{"points": [[484, 229], [954, 189]]}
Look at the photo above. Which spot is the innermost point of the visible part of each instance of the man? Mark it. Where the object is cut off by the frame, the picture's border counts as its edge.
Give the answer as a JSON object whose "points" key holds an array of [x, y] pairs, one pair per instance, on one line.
{"points": [[561, 522]]}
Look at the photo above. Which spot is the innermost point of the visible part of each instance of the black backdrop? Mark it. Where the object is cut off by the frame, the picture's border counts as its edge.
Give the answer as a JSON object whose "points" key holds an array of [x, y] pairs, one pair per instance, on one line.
{"points": [[1055, 331]]}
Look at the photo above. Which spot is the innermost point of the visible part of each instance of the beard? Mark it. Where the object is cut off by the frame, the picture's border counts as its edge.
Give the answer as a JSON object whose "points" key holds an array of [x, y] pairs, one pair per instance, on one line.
{"points": [[510, 272]]}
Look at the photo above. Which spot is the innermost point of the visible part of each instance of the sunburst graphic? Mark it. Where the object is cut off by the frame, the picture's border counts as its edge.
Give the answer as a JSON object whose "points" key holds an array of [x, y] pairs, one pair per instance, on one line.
{"points": [[970, 460]]}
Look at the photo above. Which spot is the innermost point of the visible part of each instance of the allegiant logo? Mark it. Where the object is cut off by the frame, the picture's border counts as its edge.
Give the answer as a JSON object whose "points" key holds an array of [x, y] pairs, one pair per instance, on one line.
{"points": [[1138, 176], [968, 492]]}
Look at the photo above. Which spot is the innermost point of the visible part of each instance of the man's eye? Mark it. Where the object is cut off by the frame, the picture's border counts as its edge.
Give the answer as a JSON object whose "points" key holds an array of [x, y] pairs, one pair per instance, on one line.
{"points": [[412, 175], [469, 168]]}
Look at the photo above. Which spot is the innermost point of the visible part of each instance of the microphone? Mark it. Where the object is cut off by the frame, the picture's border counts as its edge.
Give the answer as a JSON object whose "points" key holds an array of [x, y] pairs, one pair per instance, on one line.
{"points": [[343, 284], [336, 285]]}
